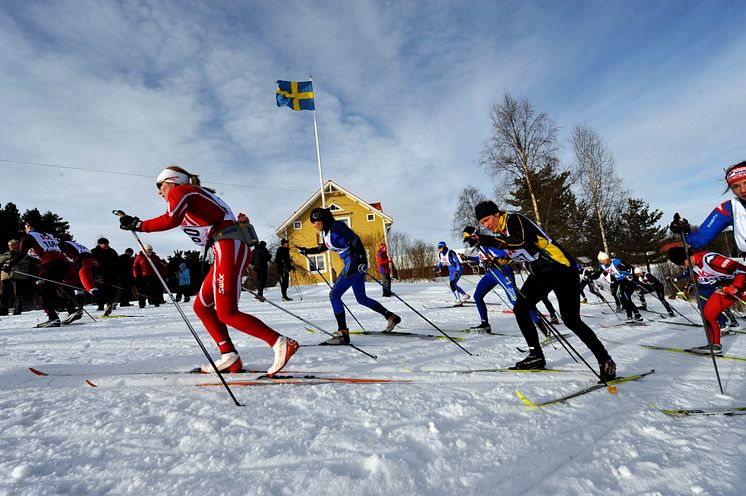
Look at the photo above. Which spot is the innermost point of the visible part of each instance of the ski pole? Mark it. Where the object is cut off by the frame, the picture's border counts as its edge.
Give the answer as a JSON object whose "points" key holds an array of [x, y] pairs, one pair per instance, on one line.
{"points": [[423, 317], [565, 343], [701, 309], [675, 310], [63, 292], [137, 293], [491, 290], [536, 311], [263, 299], [314, 267], [120, 213]]}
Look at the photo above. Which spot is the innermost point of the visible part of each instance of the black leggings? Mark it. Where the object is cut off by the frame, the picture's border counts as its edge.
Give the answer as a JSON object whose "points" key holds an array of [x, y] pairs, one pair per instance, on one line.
{"points": [[566, 286]]}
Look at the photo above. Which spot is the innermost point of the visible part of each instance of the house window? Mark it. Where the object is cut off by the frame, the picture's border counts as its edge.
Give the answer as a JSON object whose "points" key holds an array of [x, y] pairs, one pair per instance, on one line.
{"points": [[371, 217], [346, 220], [297, 225], [334, 208], [316, 262]]}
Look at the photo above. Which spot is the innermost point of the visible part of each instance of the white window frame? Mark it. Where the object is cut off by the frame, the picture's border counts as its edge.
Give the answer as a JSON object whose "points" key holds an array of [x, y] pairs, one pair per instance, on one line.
{"points": [[298, 224], [371, 217], [316, 258], [333, 207], [346, 220]]}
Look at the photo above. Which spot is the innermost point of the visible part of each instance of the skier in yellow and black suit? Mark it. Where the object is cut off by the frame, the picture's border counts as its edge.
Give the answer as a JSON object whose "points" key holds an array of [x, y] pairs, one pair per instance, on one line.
{"points": [[550, 268]]}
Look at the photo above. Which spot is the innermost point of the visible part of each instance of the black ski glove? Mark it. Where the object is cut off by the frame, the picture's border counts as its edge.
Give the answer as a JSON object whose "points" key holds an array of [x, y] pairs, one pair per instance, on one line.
{"points": [[302, 250], [679, 225], [129, 223]]}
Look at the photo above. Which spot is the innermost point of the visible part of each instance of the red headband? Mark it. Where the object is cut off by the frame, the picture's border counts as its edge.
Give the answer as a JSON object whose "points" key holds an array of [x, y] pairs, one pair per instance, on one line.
{"points": [[736, 174]]}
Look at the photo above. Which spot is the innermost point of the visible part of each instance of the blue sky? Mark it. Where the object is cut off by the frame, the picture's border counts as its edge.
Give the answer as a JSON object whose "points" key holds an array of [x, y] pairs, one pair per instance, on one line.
{"points": [[403, 91]]}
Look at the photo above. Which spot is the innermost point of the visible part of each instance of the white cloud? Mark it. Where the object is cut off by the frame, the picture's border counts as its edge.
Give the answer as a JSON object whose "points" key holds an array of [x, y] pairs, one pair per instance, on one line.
{"points": [[403, 94]]}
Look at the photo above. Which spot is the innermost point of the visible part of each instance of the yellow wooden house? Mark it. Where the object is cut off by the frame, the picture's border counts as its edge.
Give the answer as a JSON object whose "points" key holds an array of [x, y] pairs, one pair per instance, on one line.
{"points": [[366, 219]]}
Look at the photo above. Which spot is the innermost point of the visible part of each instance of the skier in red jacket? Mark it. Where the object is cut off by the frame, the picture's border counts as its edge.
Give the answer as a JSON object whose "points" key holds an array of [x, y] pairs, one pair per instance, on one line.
{"points": [[146, 279], [208, 221], [713, 268]]}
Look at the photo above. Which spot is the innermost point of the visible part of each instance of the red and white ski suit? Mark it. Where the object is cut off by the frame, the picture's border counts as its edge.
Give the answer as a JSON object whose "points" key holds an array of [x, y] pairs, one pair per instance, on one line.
{"points": [[710, 267], [200, 214]]}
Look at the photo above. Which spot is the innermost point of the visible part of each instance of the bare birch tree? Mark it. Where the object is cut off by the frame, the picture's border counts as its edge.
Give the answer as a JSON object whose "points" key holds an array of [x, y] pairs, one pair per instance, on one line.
{"points": [[464, 214], [597, 178], [522, 142]]}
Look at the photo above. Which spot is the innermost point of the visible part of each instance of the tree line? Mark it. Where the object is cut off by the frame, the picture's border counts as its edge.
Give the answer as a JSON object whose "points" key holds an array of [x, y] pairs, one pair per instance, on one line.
{"points": [[583, 205]]}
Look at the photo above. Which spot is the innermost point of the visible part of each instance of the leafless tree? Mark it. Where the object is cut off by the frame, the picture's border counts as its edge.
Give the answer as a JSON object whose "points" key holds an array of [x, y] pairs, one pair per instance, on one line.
{"points": [[464, 214], [597, 178], [522, 142], [414, 259]]}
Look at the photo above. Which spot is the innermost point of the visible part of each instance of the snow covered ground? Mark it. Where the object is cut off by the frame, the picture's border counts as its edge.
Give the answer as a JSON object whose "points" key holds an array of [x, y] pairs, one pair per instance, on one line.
{"points": [[443, 433]]}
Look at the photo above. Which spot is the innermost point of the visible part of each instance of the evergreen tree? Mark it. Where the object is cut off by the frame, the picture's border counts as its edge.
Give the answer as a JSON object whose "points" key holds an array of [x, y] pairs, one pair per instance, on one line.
{"points": [[640, 236], [556, 203], [50, 223], [11, 226]]}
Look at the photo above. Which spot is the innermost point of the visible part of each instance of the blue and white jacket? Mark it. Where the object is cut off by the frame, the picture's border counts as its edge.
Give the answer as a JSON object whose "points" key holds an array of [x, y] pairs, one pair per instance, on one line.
{"points": [[729, 213], [450, 259], [344, 242]]}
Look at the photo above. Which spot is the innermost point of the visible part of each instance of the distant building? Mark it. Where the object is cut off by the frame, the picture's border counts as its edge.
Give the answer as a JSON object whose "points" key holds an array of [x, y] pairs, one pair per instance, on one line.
{"points": [[366, 219]]}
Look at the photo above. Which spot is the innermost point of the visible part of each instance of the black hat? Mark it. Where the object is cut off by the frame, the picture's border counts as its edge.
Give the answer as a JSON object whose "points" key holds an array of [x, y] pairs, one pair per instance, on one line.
{"points": [[485, 208], [677, 255], [129, 250], [102, 241], [283, 241], [322, 214], [469, 231]]}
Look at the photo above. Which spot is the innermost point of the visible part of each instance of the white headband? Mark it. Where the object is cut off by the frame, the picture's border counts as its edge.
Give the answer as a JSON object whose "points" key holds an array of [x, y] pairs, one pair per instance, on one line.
{"points": [[172, 176]]}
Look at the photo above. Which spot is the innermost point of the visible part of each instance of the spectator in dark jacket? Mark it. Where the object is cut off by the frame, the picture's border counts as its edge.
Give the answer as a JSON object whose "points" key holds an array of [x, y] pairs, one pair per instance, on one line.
{"points": [[284, 266], [260, 260], [108, 266], [126, 279], [15, 285]]}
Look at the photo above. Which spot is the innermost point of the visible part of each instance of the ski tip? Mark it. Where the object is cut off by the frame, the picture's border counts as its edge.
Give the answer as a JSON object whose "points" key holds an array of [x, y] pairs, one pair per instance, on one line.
{"points": [[37, 372], [90, 383], [525, 400]]}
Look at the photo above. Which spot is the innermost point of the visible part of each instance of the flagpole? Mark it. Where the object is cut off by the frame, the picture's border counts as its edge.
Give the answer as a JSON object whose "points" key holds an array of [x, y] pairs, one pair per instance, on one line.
{"points": [[318, 151], [327, 257]]}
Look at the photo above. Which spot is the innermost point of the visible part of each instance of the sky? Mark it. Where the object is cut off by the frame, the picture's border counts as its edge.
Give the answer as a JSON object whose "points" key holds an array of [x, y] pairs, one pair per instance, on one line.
{"points": [[403, 91]]}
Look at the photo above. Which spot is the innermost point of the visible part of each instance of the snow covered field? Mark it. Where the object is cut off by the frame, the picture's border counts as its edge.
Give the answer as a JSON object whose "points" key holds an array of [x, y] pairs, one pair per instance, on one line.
{"points": [[443, 433]]}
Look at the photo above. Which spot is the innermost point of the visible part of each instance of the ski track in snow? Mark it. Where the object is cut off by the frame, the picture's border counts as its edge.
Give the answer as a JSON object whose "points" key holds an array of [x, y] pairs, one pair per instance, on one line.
{"points": [[442, 434]]}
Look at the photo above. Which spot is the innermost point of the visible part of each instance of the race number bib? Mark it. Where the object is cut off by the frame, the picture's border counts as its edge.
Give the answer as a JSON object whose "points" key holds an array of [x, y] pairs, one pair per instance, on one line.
{"points": [[522, 255], [198, 234]]}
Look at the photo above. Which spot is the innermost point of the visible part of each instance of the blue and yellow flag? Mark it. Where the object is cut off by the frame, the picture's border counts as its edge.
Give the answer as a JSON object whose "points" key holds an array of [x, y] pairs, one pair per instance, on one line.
{"points": [[298, 95]]}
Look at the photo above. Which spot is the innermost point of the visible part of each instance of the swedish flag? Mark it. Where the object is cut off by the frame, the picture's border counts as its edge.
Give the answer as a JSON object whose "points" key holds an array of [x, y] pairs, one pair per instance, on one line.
{"points": [[298, 95]]}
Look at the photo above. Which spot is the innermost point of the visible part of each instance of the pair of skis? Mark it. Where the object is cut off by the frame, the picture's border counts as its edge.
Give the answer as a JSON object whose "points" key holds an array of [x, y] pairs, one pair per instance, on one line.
{"points": [[262, 379]]}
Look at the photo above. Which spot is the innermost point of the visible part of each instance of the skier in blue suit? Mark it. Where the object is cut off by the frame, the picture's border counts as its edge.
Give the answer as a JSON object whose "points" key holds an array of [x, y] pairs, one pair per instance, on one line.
{"points": [[496, 261], [449, 258], [344, 242]]}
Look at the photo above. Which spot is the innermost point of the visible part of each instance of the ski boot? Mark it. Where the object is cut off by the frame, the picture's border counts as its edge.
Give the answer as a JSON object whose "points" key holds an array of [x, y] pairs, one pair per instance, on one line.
{"points": [[284, 348], [482, 328], [393, 320], [607, 370], [49, 323], [339, 338], [534, 360], [717, 349], [72, 317], [229, 363]]}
